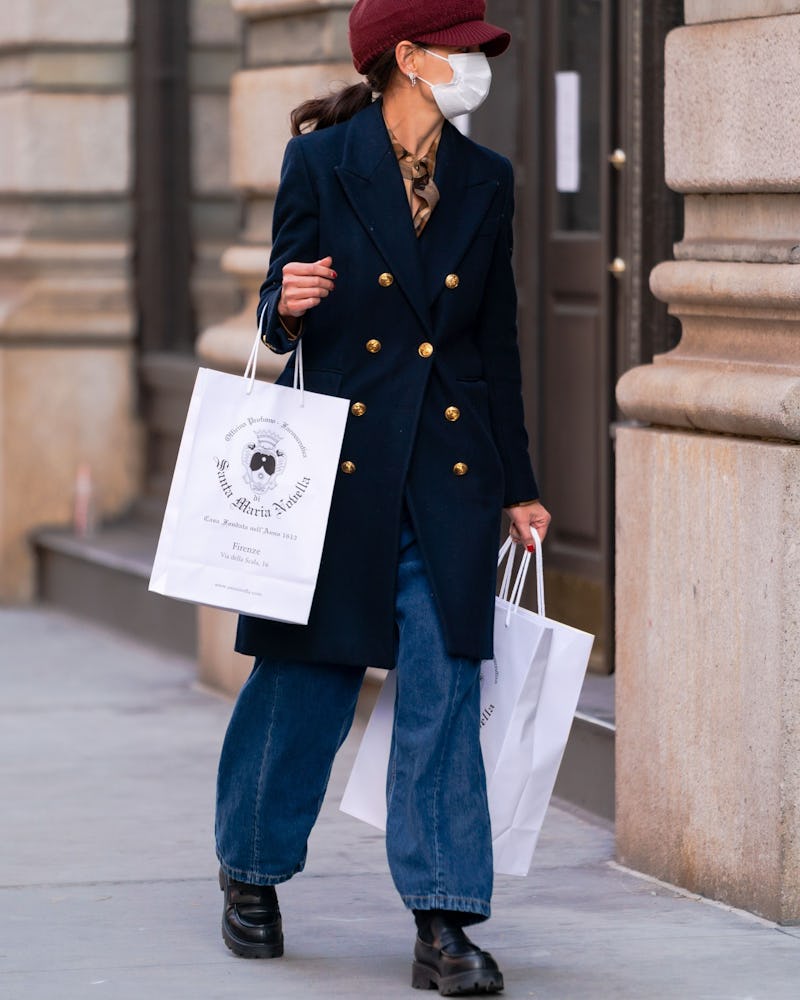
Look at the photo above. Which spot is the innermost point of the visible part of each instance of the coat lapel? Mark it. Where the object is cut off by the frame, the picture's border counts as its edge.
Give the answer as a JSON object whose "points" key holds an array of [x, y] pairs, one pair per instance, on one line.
{"points": [[466, 192], [371, 180]]}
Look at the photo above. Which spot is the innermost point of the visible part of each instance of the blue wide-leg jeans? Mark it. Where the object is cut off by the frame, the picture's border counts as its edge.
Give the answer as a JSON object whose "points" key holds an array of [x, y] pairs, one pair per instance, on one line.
{"points": [[291, 718]]}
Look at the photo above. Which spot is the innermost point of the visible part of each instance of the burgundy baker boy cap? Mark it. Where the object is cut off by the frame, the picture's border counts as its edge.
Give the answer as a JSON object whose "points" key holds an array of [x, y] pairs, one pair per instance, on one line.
{"points": [[376, 26]]}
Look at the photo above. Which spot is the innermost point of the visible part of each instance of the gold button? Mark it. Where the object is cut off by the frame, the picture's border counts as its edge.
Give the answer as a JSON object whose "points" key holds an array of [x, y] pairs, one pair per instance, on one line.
{"points": [[386, 280], [348, 468], [373, 346], [452, 413], [358, 409], [425, 350], [461, 468], [452, 281]]}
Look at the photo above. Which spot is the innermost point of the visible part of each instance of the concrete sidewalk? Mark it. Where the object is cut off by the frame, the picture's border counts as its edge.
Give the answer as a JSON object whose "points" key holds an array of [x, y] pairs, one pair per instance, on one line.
{"points": [[108, 877]]}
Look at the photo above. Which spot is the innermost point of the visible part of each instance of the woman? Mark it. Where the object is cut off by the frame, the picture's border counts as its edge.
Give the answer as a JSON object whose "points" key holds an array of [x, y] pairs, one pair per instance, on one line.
{"points": [[392, 260]]}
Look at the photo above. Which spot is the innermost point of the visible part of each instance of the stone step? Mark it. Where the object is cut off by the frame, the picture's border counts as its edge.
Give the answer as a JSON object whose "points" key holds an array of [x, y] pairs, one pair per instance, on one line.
{"points": [[105, 577], [586, 776]]}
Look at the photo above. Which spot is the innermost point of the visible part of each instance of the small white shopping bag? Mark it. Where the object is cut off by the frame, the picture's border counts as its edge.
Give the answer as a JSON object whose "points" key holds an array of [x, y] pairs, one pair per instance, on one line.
{"points": [[529, 693], [248, 508]]}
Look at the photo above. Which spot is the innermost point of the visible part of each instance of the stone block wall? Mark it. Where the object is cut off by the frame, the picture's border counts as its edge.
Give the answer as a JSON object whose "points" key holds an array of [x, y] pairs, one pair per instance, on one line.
{"points": [[66, 319], [294, 49]]}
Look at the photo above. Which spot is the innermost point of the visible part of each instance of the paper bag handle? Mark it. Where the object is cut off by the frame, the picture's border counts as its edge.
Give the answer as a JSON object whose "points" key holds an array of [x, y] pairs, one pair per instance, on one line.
{"points": [[250, 370], [519, 583]]}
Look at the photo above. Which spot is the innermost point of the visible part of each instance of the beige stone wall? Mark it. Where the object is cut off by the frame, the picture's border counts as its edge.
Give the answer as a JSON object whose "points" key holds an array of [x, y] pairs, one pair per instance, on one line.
{"points": [[724, 81], [708, 736], [263, 93], [708, 511], [68, 381], [261, 101], [698, 11], [65, 22], [66, 320], [34, 155]]}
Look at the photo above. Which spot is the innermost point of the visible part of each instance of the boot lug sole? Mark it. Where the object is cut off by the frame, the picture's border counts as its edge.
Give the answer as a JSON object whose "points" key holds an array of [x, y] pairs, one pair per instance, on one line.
{"points": [[423, 977], [248, 949]]}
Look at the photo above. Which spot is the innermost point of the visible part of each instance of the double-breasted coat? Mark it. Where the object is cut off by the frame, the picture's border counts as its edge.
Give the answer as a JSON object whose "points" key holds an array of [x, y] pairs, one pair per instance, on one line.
{"points": [[420, 335]]}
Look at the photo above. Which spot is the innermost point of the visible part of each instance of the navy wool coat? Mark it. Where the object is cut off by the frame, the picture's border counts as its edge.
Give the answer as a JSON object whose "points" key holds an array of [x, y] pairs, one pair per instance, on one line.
{"points": [[422, 333]]}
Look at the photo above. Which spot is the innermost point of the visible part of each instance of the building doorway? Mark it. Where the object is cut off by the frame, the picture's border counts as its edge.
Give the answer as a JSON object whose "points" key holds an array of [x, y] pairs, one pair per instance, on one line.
{"points": [[577, 106]]}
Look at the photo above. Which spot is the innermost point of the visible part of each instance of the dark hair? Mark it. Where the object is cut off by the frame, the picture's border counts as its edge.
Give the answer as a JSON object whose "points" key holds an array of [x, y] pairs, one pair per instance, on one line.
{"points": [[322, 112]]}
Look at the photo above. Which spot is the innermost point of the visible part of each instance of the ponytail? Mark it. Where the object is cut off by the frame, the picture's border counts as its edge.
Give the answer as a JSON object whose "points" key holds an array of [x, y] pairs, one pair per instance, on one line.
{"points": [[322, 112]]}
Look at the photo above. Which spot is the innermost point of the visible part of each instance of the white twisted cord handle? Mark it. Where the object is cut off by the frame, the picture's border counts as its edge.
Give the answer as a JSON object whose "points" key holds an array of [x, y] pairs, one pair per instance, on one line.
{"points": [[250, 369], [519, 583]]}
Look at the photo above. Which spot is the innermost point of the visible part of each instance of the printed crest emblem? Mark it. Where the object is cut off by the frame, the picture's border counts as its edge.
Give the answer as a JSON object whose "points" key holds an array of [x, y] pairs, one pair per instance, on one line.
{"points": [[263, 462]]}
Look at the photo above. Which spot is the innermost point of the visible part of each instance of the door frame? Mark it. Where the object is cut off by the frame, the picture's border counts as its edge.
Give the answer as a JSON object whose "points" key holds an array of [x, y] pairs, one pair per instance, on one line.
{"points": [[646, 217]]}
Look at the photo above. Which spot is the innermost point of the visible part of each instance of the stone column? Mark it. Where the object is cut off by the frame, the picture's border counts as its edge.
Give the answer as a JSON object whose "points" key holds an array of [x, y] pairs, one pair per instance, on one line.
{"points": [[708, 495], [66, 326], [294, 49]]}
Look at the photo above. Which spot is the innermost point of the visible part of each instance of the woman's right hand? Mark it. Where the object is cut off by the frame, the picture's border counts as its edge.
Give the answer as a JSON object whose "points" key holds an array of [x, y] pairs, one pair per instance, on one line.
{"points": [[305, 286]]}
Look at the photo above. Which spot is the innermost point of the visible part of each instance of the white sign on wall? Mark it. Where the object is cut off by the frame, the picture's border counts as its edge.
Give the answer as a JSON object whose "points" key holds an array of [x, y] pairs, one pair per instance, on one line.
{"points": [[568, 132]]}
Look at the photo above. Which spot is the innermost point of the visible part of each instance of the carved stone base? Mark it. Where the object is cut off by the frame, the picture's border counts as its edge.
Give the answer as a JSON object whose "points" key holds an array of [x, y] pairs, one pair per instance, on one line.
{"points": [[737, 367]]}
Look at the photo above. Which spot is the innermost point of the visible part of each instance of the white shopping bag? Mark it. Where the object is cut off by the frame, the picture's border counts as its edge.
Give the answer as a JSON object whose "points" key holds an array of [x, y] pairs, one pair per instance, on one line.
{"points": [[522, 782], [365, 792], [529, 693], [248, 508]]}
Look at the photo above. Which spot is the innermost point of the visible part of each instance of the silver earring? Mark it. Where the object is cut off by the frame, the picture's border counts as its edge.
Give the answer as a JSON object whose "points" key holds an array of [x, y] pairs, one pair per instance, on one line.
{"points": [[413, 78]]}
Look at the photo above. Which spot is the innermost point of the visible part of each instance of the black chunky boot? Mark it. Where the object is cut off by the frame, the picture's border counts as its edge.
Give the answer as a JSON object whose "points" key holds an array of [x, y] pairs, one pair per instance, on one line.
{"points": [[251, 920], [446, 960]]}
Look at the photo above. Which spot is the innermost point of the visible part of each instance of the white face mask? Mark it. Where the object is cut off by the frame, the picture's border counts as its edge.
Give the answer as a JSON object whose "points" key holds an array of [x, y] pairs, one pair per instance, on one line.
{"points": [[469, 88]]}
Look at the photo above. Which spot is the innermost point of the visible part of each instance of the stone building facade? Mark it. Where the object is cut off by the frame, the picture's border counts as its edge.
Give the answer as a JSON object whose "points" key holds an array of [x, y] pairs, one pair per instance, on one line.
{"points": [[71, 310], [67, 321]]}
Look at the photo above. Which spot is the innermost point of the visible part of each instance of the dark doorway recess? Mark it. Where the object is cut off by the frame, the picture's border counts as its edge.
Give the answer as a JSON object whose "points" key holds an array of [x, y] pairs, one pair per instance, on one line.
{"points": [[162, 227], [163, 242]]}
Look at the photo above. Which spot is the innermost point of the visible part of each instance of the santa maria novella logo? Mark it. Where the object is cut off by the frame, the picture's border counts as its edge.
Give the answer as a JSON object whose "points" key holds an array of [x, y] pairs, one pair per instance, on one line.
{"points": [[261, 469]]}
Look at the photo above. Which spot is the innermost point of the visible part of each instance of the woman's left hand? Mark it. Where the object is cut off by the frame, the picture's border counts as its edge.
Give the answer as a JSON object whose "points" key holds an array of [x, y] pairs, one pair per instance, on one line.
{"points": [[524, 519]]}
